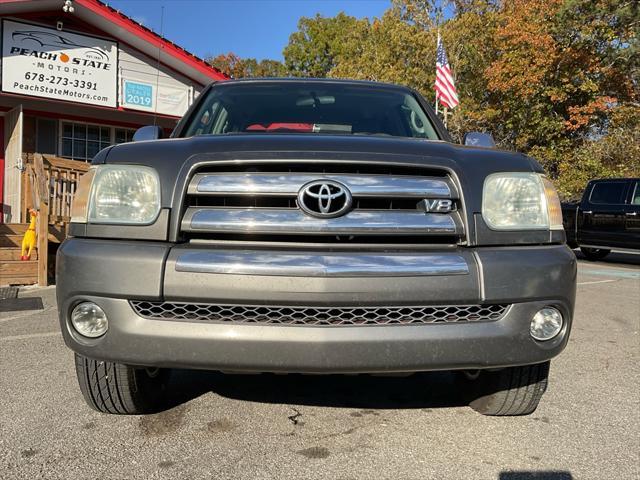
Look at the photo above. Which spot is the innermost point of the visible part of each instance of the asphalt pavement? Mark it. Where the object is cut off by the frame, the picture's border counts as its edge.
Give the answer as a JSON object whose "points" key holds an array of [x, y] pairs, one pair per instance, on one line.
{"points": [[337, 427]]}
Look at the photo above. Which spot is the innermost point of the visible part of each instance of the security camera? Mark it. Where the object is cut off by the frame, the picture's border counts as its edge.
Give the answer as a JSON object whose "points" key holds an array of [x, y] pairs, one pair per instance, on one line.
{"points": [[59, 26]]}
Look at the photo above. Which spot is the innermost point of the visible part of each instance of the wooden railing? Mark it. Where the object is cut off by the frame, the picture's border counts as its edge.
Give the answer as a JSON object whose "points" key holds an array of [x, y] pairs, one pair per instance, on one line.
{"points": [[48, 185], [57, 179]]}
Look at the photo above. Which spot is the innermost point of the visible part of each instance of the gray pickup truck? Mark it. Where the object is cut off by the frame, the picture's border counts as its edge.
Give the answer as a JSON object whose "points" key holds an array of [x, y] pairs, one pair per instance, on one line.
{"points": [[313, 226]]}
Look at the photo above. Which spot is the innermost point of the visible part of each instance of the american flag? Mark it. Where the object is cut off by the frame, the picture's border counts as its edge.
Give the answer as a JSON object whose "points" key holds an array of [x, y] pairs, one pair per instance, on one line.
{"points": [[445, 89]]}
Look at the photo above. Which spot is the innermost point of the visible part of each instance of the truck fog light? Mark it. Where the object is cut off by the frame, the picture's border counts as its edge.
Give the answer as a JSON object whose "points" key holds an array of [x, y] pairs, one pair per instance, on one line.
{"points": [[546, 324], [89, 320]]}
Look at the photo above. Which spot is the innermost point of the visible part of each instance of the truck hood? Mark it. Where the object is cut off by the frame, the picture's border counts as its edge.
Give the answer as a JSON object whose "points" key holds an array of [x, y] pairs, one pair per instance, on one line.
{"points": [[470, 165]]}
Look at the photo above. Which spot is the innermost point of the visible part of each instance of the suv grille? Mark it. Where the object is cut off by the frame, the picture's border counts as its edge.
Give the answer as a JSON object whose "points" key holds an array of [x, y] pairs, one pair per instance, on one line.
{"points": [[260, 203], [319, 316]]}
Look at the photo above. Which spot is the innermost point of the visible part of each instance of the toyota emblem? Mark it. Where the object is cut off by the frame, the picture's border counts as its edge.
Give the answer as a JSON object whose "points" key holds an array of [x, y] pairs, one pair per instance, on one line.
{"points": [[324, 199]]}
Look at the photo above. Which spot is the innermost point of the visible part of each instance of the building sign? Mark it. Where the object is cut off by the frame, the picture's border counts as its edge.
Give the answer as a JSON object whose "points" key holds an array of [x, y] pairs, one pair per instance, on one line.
{"points": [[47, 63], [173, 100], [159, 98], [137, 95]]}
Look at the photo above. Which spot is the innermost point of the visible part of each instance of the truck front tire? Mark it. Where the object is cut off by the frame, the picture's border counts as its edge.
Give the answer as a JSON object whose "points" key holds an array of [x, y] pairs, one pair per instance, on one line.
{"points": [[110, 387], [510, 391]]}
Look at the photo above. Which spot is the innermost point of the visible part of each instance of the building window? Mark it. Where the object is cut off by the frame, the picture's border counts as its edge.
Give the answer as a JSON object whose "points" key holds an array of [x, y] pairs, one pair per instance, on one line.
{"points": [[81, 141], [124, 135]]}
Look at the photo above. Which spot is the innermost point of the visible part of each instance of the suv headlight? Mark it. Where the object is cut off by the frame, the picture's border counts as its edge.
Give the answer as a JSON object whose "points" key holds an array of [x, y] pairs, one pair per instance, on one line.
{"points": [[119, 194], [520, 201]]}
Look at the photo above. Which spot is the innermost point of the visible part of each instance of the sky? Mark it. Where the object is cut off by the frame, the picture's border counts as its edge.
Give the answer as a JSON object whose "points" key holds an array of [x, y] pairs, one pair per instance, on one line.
{"points": [[249, 28]]}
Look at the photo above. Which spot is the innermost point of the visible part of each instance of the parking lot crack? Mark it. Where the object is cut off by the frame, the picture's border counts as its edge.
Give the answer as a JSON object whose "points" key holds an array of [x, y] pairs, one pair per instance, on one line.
{"points": [[294, 418]]}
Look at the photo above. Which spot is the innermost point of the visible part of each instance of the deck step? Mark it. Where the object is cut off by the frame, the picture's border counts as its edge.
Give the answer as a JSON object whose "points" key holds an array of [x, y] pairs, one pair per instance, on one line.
{"points": [[13, 228], [18, 267], [15, 239], [18, 280], [13, 253], [17, 272], [11, 240]]}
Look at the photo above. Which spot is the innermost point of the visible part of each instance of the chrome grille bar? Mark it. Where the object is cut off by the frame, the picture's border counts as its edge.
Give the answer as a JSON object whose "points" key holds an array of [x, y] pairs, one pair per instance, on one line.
{"points": [[295, 222], [285, 184], [310, 264]]}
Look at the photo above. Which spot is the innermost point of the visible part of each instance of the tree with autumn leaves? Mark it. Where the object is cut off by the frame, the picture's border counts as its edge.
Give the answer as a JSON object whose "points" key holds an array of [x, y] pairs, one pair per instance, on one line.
{"points": [[556, 79], [235, 67]]}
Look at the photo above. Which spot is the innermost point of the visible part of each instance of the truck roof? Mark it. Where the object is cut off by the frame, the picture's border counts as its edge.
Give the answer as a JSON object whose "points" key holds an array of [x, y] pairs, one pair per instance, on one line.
{"points": [[365, 83]]}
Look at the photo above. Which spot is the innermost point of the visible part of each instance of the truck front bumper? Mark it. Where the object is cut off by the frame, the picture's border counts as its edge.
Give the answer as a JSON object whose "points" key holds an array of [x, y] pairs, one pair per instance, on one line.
{"points": [[113, 273]]}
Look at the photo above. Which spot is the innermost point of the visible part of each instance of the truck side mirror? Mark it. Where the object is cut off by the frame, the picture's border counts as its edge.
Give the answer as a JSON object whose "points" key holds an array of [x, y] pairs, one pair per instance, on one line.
{"points": [[479, 139], [150, 132]]}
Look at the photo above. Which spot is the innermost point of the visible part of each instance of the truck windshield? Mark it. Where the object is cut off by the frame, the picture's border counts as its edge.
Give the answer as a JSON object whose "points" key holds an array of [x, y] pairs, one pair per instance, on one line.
{"points": [[311, 108]]}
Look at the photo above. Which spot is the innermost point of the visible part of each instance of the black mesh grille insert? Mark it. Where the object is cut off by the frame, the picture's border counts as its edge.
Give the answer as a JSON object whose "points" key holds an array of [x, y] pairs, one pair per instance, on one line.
{"points": [[319, 316]]}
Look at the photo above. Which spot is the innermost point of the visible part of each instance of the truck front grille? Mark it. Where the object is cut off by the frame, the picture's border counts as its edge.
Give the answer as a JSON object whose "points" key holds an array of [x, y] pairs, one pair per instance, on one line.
{"points": [[261, 204], [319, 316]]}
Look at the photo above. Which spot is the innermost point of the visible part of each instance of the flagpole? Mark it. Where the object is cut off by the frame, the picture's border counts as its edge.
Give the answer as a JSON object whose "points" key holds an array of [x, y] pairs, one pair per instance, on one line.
{"points": [[444, 85], [437, 43]]}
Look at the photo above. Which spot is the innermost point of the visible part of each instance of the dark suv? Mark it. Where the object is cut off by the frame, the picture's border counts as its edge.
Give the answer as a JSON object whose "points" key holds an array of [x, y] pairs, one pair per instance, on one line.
{"points": [[313, 226], [607, 217]]}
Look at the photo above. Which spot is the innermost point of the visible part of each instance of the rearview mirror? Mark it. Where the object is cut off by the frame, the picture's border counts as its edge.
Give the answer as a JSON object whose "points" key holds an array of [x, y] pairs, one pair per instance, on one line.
{"points": [[479, 139], [150, 132], [312, 101]]}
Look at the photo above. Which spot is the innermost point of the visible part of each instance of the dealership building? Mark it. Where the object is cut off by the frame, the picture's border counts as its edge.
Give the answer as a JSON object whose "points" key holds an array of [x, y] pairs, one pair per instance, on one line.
{"points": [[78, 76]]}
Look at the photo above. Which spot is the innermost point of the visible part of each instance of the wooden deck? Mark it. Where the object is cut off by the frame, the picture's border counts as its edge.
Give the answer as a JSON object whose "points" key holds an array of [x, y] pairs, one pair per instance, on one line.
{"points": [[48, 185]]}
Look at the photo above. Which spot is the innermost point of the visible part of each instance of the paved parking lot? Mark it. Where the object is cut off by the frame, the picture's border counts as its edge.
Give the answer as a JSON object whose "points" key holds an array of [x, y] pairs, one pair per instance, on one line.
{"points": [[254, 427]]}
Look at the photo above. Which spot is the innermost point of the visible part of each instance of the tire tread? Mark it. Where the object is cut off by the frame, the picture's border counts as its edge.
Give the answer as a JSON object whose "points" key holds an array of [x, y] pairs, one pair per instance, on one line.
{"points": [[115, 388], [512, 391]]}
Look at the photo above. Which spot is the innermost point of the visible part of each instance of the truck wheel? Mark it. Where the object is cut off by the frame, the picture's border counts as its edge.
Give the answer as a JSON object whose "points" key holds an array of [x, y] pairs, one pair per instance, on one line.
{"points": [[510, 391], [110, 387], [594, 253]]}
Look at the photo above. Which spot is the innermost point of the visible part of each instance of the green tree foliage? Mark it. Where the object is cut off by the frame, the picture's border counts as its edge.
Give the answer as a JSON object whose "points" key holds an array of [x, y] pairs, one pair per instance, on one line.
{"points": [[391, 50], [235, 67], [562, 74], [321, 42], [616, 154], [556, 79]]}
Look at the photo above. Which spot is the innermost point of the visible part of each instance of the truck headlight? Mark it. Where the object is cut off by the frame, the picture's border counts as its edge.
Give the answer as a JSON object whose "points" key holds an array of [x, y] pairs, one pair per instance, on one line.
{"points": [[120, 194], [520, 201]]}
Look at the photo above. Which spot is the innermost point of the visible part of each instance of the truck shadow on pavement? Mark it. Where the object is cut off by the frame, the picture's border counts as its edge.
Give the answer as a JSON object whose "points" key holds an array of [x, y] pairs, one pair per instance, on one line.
{"points": [[422, 390]]}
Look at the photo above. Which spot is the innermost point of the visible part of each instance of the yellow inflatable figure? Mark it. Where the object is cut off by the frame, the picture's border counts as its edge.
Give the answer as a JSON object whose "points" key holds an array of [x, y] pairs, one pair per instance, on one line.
{"points": [[29, 240]]}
